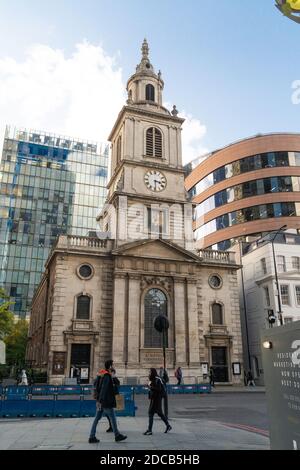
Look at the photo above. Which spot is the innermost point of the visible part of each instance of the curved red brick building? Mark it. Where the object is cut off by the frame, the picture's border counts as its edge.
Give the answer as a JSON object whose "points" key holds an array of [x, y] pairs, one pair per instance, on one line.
{"points": [[245, 189]]}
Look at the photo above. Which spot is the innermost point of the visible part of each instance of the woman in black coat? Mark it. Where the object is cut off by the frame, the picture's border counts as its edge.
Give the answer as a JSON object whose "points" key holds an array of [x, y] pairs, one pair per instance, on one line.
{"points": [[156, 393]]}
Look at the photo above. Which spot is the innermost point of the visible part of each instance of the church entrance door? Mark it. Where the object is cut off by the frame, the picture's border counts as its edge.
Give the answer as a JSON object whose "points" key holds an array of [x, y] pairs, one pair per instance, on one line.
{"points": [[219, 363]]}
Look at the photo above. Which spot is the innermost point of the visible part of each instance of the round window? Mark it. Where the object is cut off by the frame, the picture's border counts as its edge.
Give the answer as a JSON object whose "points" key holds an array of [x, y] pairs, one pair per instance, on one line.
{"points": [[85, 271], [215, 281]]}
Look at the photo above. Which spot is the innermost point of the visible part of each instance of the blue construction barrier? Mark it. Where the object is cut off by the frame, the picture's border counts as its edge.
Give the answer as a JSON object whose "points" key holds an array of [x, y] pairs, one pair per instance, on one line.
{"points": [[172, 389], [87, 389], [189, 388], [203, 388], [14, 392], [15, 408], [87, 408], [66, 408], [141, 389], [35, 401], [126, 388], [69, 390], [41, 408]]}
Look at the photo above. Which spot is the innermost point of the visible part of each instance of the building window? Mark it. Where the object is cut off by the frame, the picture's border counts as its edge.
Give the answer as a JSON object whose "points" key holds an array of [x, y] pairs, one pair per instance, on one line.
{"points": [[296, 263], [158, 222], [288, 320], [297, 289], [285, 299], [155, 304], [281, 264], [119, 148], [83, 307], [150, 93], [153, 142], [217, 314], [267, 296], [263, 265], [85, 271]]}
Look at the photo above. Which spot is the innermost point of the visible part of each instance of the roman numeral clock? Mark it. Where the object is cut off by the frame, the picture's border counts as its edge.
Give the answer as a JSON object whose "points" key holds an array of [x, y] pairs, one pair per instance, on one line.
{"points": [[155, 180]]}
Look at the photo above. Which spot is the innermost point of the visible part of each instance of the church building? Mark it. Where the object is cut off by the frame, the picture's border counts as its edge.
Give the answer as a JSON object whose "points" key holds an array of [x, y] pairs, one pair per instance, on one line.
{"points": [[100, 294]]}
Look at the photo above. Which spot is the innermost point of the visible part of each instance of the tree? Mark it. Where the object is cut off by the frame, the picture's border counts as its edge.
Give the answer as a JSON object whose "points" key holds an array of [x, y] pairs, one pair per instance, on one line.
{"points": [[6, 316], [16, 343]]}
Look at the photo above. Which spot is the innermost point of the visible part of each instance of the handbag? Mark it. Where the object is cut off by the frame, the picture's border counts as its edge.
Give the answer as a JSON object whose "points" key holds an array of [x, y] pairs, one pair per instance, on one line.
{"points": [[119, 402]]}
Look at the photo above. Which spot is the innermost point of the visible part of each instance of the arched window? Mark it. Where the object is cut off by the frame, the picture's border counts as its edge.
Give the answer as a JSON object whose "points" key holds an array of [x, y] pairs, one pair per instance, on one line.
{"points": [[150, 93], [217, 314], [153, 142], [119, 148], [83, 307], [156, 303]]}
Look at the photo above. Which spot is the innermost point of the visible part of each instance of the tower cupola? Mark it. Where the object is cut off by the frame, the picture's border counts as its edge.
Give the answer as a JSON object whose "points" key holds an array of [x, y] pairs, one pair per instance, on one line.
{"points": [[145, 87]]}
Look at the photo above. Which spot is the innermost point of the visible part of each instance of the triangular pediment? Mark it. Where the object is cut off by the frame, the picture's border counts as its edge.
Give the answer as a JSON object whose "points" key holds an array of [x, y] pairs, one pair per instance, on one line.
{"points": [[157, 249]]}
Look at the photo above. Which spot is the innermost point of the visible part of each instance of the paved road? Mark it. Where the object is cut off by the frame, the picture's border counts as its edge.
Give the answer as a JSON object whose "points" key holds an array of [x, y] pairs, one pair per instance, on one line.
{"points": [[243, 410]]}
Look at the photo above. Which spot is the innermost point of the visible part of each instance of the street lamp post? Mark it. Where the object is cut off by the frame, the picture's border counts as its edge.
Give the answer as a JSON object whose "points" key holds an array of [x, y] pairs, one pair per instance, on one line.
{"points": [[277, 283], [244, 302], [161, 324], [275, 270]]}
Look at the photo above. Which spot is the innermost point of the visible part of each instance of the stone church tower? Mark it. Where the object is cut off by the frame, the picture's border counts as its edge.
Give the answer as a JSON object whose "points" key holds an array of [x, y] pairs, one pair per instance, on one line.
{"points": [[146, 189], [99, 296]]}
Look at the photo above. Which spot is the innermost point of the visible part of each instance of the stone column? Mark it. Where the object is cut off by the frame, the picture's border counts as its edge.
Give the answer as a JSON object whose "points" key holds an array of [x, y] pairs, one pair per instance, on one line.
{"points": [[134, 303], [180, 328], [118, 319], [194, 357]]}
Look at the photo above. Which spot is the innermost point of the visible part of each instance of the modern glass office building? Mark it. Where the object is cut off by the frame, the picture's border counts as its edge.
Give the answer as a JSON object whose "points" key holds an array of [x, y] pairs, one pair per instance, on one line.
{"points": [[246, 189], [49, 185]]}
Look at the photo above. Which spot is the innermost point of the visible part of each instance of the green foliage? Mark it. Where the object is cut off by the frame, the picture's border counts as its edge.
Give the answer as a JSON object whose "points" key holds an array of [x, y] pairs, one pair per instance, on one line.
{"points": [[16, 343], [6, 316]]}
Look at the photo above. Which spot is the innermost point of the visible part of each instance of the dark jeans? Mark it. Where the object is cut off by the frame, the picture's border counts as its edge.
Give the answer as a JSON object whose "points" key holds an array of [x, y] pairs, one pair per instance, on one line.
{"points": [[151, 418], [110, 413], [179, 381]]}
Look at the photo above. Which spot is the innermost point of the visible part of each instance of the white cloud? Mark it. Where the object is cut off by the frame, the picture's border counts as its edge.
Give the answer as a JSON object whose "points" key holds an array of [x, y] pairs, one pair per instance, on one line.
{"points": [[79, 96], [193, 132]]}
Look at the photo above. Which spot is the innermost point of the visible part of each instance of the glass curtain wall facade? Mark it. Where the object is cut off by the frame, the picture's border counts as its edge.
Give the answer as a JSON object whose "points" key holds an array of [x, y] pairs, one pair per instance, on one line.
{"points": [[49, 185], [238, 187]]}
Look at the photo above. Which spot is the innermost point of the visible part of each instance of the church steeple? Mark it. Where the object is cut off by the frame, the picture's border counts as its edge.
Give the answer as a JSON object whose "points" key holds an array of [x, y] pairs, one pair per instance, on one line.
{"points": [[145, 64], [145, 86]]}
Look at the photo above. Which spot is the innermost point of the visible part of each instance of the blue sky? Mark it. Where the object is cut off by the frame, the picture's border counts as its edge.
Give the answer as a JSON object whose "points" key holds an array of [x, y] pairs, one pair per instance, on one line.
{"points": [[230, 66]]}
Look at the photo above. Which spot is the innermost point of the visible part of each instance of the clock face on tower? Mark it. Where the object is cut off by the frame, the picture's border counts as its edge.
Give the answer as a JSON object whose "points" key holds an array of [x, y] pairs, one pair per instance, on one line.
{"points": [[155, 180]]}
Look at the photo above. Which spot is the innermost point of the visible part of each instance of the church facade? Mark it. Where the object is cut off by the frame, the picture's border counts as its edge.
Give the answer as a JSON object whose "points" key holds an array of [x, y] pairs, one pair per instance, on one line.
{"points": [[99, 296]]}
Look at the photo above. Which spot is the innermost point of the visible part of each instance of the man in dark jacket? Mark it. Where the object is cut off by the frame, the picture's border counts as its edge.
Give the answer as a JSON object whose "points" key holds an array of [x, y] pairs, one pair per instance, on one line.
{"points": [[106, 402]]}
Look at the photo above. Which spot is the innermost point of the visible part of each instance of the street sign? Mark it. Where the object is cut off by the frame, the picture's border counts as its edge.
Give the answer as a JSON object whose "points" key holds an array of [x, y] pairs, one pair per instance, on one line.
{"points": [[281, 360]]}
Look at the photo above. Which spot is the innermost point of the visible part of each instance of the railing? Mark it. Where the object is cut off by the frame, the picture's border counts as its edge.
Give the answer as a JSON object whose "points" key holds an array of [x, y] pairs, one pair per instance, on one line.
{"points": [[216, 256], [71, 241]]}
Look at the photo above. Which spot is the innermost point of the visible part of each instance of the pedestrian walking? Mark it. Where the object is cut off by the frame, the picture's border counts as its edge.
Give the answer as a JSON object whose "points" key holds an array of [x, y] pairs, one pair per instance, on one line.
{"points": [[250, 379], [105, 402], [212, 376], [178, 375], [156, 392], [163, 374], [24, 380], [116, 385]]}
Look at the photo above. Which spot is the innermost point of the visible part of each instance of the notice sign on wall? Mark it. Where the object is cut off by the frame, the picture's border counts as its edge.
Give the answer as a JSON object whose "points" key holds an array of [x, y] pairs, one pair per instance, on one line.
{"points": [[281, 358]]}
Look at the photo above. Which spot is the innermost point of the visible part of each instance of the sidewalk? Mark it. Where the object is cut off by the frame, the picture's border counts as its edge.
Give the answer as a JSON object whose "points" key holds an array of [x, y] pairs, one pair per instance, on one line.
{"points": [[228, 388], [72, 434]]}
